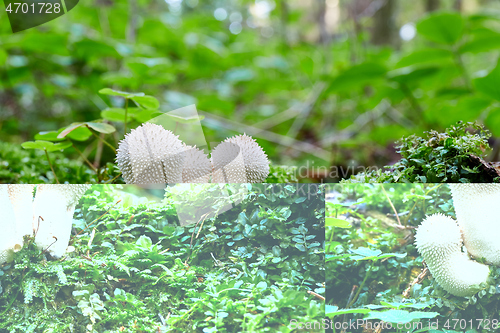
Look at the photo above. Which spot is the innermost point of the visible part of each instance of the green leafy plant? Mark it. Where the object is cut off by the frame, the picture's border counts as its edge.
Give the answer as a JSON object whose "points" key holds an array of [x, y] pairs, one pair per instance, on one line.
{"points": [[451, 156], [379, 275], [134, 268]]}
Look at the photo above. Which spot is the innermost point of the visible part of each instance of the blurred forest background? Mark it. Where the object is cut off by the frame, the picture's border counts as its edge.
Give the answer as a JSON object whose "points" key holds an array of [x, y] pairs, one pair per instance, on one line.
{"points": [[316, 82]]}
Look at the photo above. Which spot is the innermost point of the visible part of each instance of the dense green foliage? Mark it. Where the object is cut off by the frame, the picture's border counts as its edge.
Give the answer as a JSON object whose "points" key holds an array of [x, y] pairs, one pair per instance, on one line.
{"points": [[274, 77], [370, 250], [135, 269], [439, 157], [20, 166]]}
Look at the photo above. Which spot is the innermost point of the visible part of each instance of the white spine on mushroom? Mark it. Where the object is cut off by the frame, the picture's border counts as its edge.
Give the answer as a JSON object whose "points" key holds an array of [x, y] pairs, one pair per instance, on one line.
{"points": [[477, 207], [197, 167], [239, 160], [21, 196], [150, 154], [439, 241], [8, 232], [53, 207]]}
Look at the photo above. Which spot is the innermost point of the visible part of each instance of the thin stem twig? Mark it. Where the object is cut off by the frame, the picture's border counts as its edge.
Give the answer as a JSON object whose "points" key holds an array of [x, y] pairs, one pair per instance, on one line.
{"points": [[316, 295], [97, 219], [392, 206], [84, 158], [418, 279], [51, 167], [212, 119], [114, 178], [461, 67], [125, 121], [360, 287], [104, 141], [413, 101]]}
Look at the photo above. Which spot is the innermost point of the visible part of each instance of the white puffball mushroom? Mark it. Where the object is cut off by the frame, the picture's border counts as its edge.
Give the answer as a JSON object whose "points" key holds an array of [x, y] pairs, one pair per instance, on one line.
{"points": [[477, 207], [21, 196], [53, 208], [439, 241], [150, 154], [8, 237], [239, 159], [197, 167]]}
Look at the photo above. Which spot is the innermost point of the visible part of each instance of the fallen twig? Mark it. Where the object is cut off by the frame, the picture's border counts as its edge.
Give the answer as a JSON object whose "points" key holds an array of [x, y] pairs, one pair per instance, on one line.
{"points": [[418, 279]]}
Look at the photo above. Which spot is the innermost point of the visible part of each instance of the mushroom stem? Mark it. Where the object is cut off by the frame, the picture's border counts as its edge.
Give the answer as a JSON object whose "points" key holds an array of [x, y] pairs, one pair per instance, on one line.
{"points": [[477, 208], [56, 205]]}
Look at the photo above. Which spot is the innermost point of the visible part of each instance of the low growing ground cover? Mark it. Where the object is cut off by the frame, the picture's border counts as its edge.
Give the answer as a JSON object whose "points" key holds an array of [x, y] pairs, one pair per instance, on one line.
{"points": [[132, 267]]}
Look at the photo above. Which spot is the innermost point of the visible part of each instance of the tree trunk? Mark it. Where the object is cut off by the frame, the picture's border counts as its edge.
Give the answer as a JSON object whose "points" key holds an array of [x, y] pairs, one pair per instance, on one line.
{"points": [[431, 5], [384, 29], [323, 33]]}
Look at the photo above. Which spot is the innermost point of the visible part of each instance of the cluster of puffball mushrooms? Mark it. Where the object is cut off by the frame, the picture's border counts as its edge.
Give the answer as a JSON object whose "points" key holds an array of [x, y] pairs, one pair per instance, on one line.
{"points": [[48, 215], [151, 154], [439, 239]]}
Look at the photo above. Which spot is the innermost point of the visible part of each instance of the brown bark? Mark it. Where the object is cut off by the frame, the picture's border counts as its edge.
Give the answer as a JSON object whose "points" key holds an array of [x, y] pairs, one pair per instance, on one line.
{"points": [[431, 5], [384, 29]]}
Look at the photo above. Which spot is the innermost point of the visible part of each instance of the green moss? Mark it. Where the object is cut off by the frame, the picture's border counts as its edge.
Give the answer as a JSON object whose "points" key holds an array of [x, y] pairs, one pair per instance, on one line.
{"points": [[437, 158]]}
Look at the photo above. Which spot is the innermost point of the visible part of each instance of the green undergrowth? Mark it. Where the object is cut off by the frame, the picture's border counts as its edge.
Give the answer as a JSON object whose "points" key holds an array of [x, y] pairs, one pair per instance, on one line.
{"points": [[136, 269], [363, 250], [21, 166], [437, 158]]}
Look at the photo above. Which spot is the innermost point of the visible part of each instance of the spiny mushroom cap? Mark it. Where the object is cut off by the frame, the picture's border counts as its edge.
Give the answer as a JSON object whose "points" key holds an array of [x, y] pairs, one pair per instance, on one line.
{"points": [[21, 196], [477, 207], [55, 204], [150, 154], [239, 159], [439, 241], [7, 226], [197, 166]]}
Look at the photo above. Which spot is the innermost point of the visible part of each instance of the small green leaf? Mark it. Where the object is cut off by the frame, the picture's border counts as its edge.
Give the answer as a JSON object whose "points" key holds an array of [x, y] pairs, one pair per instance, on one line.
{"points": [[45, 145], [301, 199], [411, 74], [358, 76], [98, 127], [114, 114], [490, 84], [493, 121], [101, 127], [48, 136], [334, 222], [261, 285], [430, 55], [146, 102], [68, 129], [112, 92], [300, 247], [80, 134], [332, 311], [144, 242], [3, 57], [400, 316], [482, 44], [185, 120], [145, 115], [442, 27]]}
